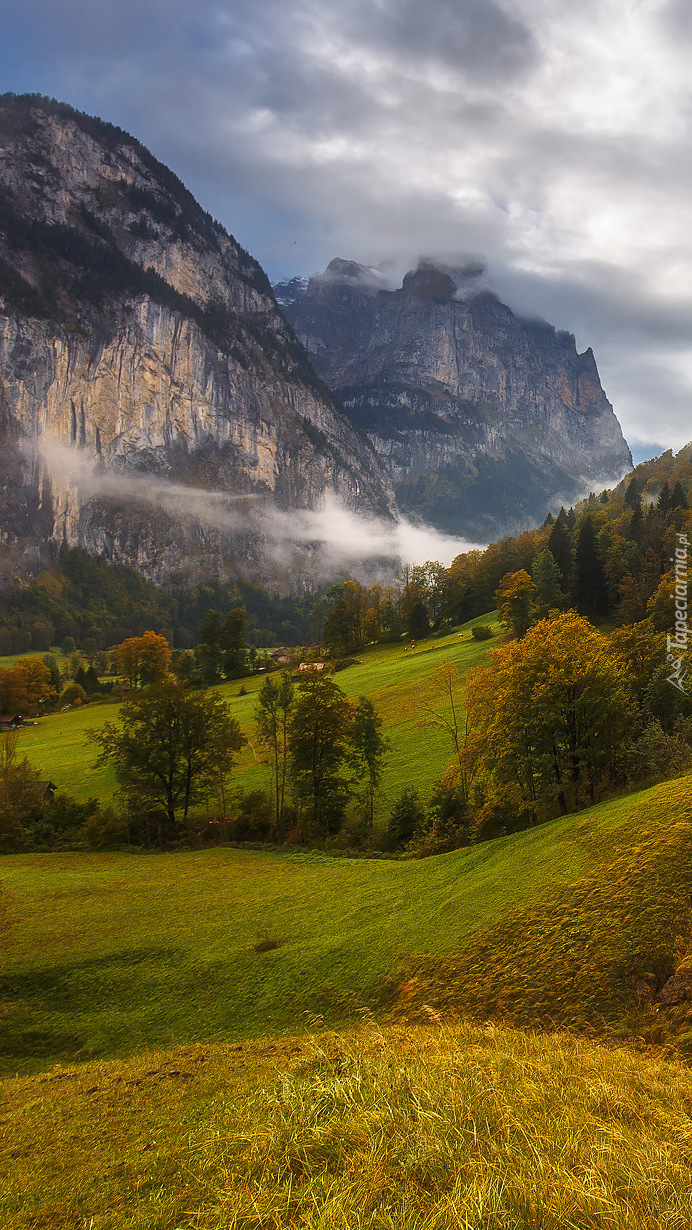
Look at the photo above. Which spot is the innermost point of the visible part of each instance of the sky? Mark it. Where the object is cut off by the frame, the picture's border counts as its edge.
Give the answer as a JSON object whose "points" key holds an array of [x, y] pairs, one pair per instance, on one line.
{"points": [[549, 139]]}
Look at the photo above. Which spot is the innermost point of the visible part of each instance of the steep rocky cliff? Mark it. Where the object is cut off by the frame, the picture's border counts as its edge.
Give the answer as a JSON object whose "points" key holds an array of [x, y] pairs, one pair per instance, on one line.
{"points": [[483, 420], [138, 338]]}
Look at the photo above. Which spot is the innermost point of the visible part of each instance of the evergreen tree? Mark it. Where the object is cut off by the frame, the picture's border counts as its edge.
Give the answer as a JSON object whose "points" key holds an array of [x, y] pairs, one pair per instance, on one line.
{"points": [[590, 591], [678, 499], [633, 495], [546, 577], [663, 502], [407, 820], [636, 529], [418, 621], [560, 546]]}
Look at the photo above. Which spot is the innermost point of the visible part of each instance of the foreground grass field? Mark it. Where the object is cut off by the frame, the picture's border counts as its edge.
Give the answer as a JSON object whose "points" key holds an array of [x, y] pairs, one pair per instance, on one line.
{"points": [[399, 681], [402, 1129], [576, 922]]}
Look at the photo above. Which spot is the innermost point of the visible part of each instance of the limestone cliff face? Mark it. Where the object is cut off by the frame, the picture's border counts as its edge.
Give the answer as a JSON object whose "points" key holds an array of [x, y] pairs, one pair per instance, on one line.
{"points": [[135, 331], [482, 419]]}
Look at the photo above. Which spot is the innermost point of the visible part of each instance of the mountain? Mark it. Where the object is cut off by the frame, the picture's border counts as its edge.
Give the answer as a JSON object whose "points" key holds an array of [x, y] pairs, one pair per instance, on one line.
{"points": [[483, 420], [139, 342]]}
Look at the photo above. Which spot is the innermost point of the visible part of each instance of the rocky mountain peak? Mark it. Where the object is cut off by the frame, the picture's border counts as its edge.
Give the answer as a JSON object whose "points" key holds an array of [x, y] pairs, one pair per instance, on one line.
{"points": [[135, 331], [427, 282], [485, 421]]}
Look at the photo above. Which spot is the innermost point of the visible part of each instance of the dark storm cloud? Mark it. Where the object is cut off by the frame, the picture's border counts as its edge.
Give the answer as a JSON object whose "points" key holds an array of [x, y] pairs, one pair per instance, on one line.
{"points": [[550, 139], [475, 37]]}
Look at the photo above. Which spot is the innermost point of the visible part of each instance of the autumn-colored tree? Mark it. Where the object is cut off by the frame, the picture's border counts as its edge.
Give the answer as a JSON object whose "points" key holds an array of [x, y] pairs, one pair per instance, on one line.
{"points": [[548, 714], [631, 607], [641, 650], [27, 688], [514, 597], [344, 626], [143, 660], [661, 607], [373, 625]]}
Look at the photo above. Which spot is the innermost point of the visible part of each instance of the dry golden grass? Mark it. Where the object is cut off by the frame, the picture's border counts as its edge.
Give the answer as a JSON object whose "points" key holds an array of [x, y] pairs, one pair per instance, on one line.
{"points": [[426, 1128]]}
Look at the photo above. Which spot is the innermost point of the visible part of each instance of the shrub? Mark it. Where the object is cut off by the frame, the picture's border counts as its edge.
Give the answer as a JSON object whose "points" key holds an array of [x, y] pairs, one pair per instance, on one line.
{"points": [[105, 828], [450, 827], [481, 632], [60, 822], [656, 753], [255, 816], [407, 820], [72, 694]]}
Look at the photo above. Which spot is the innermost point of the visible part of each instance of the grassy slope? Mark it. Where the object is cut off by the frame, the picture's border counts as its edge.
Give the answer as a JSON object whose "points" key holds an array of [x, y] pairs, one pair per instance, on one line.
{"points": [[108, 954], [416, 1129], [397, 681]]}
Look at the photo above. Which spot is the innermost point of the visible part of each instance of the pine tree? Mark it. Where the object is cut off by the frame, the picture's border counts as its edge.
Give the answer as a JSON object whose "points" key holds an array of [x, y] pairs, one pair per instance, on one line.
{"points": [[678, 499], [633, 495], [590, 590], [663, 502], [560, 546], [549, 595]]}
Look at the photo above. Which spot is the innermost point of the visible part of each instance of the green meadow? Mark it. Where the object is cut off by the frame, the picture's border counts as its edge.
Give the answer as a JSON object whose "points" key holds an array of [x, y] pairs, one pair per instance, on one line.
{"points": [[111, 954], [236, 1039], [398, 680]]}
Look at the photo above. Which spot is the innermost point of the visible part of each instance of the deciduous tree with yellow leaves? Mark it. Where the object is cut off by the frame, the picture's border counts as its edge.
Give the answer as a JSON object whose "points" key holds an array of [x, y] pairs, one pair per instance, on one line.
{"points": [[548, 714]]}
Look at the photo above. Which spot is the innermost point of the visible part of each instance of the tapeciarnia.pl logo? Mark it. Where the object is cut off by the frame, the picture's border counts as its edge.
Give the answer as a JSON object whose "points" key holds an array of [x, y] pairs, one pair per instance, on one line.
{"points": [[677, 645]]}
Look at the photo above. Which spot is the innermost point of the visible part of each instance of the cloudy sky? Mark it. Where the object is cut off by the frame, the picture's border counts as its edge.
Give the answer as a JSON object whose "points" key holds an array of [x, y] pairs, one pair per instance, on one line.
{"points": [[550, 138]]}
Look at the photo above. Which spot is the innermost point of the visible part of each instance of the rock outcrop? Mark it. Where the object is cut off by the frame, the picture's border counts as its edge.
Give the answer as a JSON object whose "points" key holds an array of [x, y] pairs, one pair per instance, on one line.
{"points": [[136, 333], [483, 420]]}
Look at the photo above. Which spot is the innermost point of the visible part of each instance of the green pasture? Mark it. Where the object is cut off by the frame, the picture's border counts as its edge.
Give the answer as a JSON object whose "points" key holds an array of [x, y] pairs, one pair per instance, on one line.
{"points": [[398, 680], [8, 660], [112, 954]]}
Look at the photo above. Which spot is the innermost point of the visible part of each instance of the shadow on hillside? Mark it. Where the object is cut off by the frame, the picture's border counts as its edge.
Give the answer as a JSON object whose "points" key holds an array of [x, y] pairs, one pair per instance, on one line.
{"points": [[38, 1003]]}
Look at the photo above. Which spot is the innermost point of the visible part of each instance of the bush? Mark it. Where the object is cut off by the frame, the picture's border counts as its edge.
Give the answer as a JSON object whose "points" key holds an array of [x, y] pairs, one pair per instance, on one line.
{"points": [[255, 817], [105, 828], [407, 820], [450, 827], [657, 754], [72, 694], [60, 822], [481, 632]]}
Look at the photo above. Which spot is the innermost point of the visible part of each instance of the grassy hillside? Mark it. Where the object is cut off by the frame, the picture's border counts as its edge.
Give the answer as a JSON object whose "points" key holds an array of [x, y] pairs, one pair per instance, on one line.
{"points": [[415, 1129], [577, 921], [398, 680]]}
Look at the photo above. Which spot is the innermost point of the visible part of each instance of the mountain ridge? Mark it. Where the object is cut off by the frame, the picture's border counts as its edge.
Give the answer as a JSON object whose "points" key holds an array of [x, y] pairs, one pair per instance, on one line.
{"points": [[465, 402], [136, 331]]}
